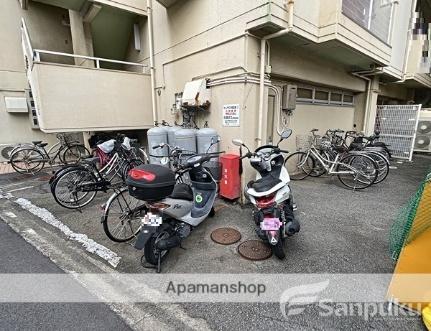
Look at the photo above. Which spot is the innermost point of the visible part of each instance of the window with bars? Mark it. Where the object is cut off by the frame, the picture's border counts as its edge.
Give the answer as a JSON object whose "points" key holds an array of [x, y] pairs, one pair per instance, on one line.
{"points": [[323, 96]]}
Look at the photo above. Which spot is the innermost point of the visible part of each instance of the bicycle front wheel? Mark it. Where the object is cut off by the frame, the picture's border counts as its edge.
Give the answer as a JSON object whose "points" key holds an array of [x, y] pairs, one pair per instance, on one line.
{"points": [[74, 154], [357, 171], [299, 165], [72, 189], [122, 217], [27, 160]]}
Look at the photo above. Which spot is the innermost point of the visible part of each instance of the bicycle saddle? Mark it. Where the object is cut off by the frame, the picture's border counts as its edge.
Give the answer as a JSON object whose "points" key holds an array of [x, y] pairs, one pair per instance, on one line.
{"points": [[36, 142], [42, 144], [91, 160], [314, 130]]}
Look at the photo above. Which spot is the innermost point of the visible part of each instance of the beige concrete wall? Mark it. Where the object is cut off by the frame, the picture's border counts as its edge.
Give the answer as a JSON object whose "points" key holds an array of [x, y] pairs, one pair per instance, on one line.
{"points": [[73, 98], [305, 66], [306, 117]]}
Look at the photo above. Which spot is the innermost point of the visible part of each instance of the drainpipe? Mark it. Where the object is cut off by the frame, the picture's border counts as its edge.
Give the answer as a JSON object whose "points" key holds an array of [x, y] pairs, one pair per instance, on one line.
{"points": [[151, 49], [290, 5]]}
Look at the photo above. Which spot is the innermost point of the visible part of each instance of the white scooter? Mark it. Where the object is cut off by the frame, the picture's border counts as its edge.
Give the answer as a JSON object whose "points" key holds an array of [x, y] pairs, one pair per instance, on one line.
{"points": [[173, 209], [270, 194]]}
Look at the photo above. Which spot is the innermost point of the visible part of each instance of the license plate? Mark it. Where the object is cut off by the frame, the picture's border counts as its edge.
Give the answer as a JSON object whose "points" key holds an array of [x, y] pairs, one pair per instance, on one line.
{"points": [[270, 224], [151, 220]]}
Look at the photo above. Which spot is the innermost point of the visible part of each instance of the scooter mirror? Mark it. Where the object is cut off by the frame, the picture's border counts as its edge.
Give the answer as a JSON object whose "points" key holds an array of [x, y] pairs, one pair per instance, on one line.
{"points": [[237, 142], [286, 133]]}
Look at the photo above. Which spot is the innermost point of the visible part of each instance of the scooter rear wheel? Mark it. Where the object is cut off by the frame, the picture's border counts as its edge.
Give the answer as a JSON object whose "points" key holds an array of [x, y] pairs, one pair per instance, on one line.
{"points": [[151, 253], [278, 249]]}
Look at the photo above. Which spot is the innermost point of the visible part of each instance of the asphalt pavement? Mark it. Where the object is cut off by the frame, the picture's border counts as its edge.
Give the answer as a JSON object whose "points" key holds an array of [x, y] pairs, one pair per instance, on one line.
{"points": [[17, 256], [341, 232]]}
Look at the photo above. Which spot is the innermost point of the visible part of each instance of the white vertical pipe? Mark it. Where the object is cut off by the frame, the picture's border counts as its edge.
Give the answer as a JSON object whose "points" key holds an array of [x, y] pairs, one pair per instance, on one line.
{"points": [[261, 88], [290, 6], [151, 49]]}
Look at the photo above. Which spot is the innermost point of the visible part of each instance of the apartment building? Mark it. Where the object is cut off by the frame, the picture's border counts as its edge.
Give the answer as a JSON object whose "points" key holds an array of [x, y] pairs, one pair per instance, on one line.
{"points": [[116, 65]]}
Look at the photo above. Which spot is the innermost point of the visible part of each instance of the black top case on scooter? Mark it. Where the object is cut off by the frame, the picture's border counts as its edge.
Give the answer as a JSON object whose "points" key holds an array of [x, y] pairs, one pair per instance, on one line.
{"points": [[150, 182]]}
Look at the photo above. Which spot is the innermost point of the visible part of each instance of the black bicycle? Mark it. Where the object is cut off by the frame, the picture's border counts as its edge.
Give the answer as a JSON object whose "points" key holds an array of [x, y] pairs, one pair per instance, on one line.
{"points": [[74, 187]]}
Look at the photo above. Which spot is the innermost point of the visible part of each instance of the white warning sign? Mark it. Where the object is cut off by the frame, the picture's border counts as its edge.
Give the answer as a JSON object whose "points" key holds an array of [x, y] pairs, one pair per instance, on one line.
{"points": [[231, 115]]}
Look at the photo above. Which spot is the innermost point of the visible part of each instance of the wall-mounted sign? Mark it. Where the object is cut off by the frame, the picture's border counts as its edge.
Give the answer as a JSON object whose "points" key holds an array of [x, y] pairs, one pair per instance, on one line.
{"points": [[231, 115]]}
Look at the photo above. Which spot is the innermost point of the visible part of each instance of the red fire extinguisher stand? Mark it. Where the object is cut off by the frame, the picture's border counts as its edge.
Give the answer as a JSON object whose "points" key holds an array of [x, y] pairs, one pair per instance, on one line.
{"points": [[230, 184]]}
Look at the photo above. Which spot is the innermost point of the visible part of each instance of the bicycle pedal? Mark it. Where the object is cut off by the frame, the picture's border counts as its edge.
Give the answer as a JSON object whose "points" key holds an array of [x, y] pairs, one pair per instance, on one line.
{"points": [[294, 207]]}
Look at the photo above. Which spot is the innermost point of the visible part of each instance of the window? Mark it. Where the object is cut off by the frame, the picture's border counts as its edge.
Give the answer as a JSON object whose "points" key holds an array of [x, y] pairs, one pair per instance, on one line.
{"points": [[323, 96], [336, 98], [305, 93], [348, 99]]}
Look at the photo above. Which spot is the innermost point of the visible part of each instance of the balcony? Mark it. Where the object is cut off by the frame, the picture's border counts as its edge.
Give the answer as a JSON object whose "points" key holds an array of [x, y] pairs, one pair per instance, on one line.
{"points": [[74, 98], [134, 6], [418, 67], [344, 31], [87, 98]]}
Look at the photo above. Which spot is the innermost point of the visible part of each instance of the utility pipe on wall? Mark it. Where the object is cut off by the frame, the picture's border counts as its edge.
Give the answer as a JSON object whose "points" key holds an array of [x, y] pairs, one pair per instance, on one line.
{"points": [[290, 5], [151, 49]]}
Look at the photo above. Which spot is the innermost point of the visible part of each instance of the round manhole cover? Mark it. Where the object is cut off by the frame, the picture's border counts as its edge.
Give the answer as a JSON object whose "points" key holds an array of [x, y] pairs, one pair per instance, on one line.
{"points": [[255, 250], [225, 236]]}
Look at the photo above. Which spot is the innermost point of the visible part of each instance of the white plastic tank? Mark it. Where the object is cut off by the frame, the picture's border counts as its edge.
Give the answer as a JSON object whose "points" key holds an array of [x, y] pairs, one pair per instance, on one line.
{"points": [[204, 139], [156, 136], [171, 134], [186, 140]]}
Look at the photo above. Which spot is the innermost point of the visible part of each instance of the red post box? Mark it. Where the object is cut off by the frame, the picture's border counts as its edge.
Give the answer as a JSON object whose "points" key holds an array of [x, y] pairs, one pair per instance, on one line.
{"points": [[230, 184]]}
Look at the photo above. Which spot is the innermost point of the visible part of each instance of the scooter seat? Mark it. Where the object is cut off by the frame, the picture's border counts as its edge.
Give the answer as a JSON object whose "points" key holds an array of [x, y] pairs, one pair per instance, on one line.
{"points": [[182, 191], [265, 184]]}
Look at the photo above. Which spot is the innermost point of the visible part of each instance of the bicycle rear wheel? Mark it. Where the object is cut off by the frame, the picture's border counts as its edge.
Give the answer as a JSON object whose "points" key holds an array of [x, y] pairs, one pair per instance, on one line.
{"points": [[382, 165], [71, 188], [299, 165], [359, 171], [122, 217], [27, 160], [74, 154]]}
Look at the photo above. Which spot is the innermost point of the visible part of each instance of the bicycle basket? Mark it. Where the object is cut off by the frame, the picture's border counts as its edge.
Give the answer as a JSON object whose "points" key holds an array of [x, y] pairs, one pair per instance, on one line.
{"points": [[324, 144]]}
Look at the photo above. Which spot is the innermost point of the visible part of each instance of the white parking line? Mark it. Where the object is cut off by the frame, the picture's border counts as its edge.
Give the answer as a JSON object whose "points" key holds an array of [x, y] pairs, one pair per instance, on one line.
{"points": [[20, 189], [89, 244], [10, 214]]}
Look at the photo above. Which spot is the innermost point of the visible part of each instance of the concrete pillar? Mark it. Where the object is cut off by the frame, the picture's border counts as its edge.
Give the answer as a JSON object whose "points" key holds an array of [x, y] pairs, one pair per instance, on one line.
{"points": [[372, 106], [85, 137], [82, 40]]}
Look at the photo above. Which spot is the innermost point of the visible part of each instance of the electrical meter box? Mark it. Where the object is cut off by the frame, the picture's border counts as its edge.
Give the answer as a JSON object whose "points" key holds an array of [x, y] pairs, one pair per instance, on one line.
{"points": [[196, 94], [288, 99]]}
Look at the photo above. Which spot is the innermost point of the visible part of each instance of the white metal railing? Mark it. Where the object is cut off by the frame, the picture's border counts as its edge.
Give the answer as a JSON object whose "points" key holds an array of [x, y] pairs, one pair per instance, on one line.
{"points": [[34, 54], [96, 60]]}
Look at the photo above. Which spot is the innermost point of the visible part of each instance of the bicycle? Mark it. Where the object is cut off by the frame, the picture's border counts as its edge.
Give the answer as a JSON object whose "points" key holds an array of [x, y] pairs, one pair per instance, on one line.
{"points": [[340, 143], [27, 158], [76, 186], [354, 170]]}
